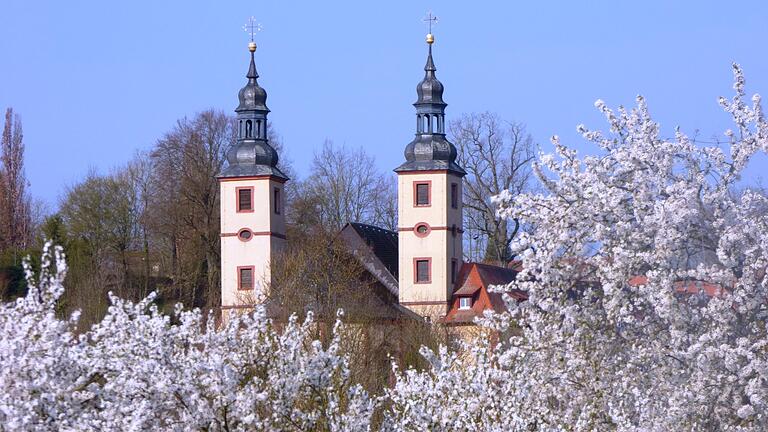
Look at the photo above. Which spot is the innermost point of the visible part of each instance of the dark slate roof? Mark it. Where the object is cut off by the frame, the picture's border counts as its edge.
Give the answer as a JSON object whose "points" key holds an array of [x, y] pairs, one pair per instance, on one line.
{"points": [[430, 150], [252, 155], [376, 250], [383, 243]]}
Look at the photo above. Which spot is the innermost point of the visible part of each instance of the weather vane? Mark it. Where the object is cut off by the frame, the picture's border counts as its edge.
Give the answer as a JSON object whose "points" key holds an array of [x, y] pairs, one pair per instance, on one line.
{"points": [[252, 27], [430, 20]]}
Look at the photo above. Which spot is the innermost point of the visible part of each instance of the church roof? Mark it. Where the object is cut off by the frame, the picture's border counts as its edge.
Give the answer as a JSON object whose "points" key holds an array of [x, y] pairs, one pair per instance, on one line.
{"points": [[376, 249]]}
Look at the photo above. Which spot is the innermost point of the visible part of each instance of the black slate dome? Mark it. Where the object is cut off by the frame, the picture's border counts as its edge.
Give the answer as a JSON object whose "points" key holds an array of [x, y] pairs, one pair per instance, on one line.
{"points": [[430, 89], [430, 149], [252, 96], [252, 155]]}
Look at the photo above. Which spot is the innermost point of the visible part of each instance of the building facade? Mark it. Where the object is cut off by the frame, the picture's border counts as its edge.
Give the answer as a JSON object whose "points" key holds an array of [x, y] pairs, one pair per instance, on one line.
{"points": [[416, 272], [429, 206], [252, 202]]}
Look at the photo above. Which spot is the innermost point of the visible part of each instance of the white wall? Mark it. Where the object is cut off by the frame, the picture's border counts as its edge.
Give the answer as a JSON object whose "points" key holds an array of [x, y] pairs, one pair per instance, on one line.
{"points": [[268, 228], [441, 245]]}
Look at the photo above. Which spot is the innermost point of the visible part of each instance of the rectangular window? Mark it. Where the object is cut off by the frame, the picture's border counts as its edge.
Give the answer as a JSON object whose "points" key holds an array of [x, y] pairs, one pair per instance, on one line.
{"points": [[244, 199], [465, 302], [423, 270], [422, 194], [245, 278], [454, 195], [278, 201], [454, 265]]}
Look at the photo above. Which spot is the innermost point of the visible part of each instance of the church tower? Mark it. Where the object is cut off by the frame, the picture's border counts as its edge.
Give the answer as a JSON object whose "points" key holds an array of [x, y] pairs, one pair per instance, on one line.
{"points": [[252, 195], [429, 206]]}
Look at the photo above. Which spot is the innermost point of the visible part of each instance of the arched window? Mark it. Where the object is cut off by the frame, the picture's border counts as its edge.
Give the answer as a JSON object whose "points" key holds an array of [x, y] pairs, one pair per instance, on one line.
{"points": [[248, 129], [429, 123], [418, 123], [258, 128], [240, 129]]}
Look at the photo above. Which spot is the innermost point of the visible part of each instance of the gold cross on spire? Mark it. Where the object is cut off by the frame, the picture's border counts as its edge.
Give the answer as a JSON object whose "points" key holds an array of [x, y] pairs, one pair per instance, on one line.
{"points": [[430, 20]]}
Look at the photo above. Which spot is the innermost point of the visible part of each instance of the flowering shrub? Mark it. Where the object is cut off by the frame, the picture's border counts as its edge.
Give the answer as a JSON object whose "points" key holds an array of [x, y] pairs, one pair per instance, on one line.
{"points": [[136, 370], [646, 281]]}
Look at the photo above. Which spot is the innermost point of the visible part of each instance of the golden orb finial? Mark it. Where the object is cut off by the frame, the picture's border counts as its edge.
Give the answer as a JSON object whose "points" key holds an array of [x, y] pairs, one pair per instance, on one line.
{"points": [[252, 46], [430, 19]]}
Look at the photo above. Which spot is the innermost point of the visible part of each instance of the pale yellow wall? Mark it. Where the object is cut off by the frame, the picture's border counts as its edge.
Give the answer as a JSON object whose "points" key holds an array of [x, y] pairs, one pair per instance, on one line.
{"points": [[440, 212], [441, 245], [258, 251], [262, 218], [235, 253]]}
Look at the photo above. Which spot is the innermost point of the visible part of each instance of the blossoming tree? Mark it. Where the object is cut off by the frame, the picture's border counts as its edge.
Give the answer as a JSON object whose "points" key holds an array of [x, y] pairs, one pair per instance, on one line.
{"points": [[141, 370], [647, 293], [647, 310]]}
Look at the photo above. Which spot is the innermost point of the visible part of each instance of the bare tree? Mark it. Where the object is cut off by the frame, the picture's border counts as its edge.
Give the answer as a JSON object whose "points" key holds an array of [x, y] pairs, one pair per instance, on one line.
{"points": [[497, 155], [15, 206], [344, 185], [319, 273], [186, 205], [139, 173]]}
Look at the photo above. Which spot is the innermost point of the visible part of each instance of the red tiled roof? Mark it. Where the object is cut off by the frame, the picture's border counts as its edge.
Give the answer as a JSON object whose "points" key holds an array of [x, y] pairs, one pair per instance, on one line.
{"points": [[474, 280], [686, 286]]}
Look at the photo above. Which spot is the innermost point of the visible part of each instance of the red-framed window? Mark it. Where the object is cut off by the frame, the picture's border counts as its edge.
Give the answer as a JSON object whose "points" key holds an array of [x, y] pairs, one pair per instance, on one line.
{"points": [[245, 277], [245, 235], [422, 229], [277, 200], [244, 199], [454, 195], [422, 193], [422, 270]]}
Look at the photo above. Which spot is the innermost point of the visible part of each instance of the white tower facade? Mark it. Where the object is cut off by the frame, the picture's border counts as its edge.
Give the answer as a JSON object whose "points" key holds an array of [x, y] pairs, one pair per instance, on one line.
{"points": [[429, 206], [252, 203]]}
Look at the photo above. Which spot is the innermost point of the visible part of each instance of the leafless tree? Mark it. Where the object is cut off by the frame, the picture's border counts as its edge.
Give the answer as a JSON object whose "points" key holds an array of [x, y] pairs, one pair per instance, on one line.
{"points": [[186, 206], [318, 273], [139, 173], [344, 185], [497, 155]]}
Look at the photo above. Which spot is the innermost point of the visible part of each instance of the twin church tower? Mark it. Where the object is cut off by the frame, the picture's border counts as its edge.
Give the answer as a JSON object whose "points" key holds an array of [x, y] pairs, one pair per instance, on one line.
{"points": [[429, 204]]}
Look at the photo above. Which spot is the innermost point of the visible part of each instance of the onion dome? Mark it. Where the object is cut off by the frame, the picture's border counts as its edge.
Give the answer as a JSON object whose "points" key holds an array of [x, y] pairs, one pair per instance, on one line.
{"points": [[252, 96], [430, 150], [430, 89], [252, 155]]}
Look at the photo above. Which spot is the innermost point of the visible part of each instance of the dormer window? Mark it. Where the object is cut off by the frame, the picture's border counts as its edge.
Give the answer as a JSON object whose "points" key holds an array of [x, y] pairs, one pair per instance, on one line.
{"points": [[465, 302]]}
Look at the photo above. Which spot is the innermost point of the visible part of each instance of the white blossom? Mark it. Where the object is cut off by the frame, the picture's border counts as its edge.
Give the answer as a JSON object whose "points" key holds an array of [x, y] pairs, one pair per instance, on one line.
{"points": [[647, 300]]}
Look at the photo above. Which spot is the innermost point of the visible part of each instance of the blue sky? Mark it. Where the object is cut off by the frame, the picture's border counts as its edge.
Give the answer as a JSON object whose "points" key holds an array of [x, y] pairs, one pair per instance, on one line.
{"points": [[96, 81]]}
